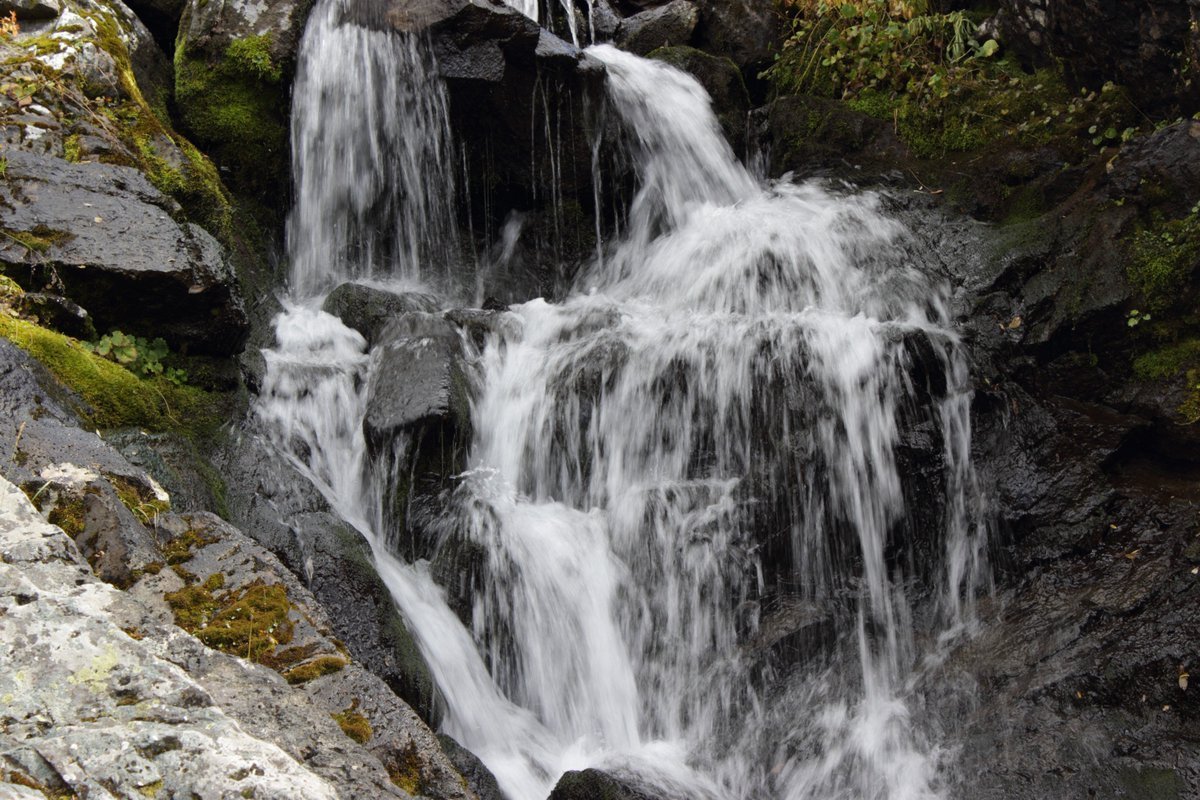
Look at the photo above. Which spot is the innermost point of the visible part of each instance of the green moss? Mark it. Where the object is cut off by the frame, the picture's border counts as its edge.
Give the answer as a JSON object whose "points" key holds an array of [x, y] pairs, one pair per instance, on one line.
{"points": [[38, 239], [253, 55], [141, 501], [113, 395], [68, 515], [249, 622], [311, 670], [236, 107], [1169, 361], [193, 607], [180, 549], [354, 724], [71, 148], [1162, 256], [404, 770]]}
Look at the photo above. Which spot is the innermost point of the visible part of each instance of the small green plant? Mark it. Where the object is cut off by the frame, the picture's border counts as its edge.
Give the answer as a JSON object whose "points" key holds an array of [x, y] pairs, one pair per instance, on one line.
{"points": [[140, 356], [1135, 318]]}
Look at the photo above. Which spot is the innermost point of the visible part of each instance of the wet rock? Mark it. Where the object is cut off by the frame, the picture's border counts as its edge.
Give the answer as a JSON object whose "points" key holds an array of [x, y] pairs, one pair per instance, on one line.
{"points": [[1148, 46], [367, 309], [58, 313], [340, 572], [282, 510], [418, 422], [665, 26], [536, 91], [479, 778], [104, 238], [594, 784], [723, 82], [747, 32], [420, 377]]}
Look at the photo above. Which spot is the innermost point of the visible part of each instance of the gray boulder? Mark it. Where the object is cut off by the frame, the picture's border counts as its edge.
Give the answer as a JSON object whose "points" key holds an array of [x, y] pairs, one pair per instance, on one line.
{"points": [[31, 9], [105, 238], [664, 26], [66, 657]]}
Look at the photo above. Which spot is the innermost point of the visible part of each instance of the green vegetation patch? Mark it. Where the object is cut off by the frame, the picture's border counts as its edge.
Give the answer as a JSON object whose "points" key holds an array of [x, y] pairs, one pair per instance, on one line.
{"points": [[249, 622], [38, 239], [354, 724], [316, 668], [942, 88], [1162, 255], [236, 106], [113, 395]]}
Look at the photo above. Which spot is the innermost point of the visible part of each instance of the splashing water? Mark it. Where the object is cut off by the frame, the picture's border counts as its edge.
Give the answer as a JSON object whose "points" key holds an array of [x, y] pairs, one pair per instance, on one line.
{"points": [[710, 422]]}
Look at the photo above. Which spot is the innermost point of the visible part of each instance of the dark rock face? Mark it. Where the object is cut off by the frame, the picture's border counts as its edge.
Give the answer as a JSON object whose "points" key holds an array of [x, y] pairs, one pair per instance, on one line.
{"points": [[747, 32], [1152, 47], [103, 237], [664, 26], [594, 784], [58, 313], [1081, 666], [533, 156], [418, 422]]}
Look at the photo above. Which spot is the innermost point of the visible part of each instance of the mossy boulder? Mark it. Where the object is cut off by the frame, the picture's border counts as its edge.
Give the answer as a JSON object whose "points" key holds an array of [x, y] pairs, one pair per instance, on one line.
{"points": [[233, 67], [104, 237]]}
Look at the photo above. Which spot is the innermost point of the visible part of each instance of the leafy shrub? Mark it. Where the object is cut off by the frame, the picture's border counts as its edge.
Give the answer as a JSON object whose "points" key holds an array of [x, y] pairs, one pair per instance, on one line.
{"points": [[140, 356]]}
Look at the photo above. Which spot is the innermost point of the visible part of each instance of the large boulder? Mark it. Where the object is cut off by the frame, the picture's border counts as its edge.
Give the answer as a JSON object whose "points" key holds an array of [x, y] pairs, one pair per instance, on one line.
{"points": [[71, 650], [1152, 47], [418, 423], [747, 32], [665, 26], [104, 237]]}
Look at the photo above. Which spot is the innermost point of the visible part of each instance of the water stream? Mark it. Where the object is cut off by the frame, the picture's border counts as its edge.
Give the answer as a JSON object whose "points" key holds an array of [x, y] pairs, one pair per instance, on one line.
{"points": [[704, 429]]}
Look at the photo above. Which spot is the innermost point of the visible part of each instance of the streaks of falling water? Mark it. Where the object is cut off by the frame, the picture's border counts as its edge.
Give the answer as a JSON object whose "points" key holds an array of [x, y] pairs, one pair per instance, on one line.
{"points": [[370, 136], [620, 432], [735, 365]]}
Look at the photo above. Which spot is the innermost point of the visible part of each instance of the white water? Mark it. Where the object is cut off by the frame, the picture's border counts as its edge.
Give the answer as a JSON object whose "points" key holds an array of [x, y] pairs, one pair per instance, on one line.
{"points": [[738, 361], [370, 157]]}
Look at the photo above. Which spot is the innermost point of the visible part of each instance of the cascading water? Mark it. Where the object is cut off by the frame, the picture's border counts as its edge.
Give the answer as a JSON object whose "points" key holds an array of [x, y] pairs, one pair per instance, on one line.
{"points": [[730, 379], [370, 137]]}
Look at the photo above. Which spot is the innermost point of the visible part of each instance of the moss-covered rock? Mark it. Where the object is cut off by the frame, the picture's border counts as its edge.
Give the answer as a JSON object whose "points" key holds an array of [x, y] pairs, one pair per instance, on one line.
{"points": [[233, 68]]}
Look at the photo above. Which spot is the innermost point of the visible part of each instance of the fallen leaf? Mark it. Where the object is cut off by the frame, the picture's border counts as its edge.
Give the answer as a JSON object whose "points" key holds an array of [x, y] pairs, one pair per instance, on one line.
{"points": [[1014, 324], [1132, 554]]}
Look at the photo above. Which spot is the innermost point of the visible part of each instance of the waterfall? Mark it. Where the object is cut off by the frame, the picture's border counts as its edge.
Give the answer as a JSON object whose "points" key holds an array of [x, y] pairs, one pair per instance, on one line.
{"points": [[704, 430], [371, 158]]}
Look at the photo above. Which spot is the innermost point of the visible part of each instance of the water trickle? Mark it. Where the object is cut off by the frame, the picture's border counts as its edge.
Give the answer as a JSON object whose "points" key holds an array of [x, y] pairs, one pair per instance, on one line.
{"points": [[704, 431], [370, 135]]}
